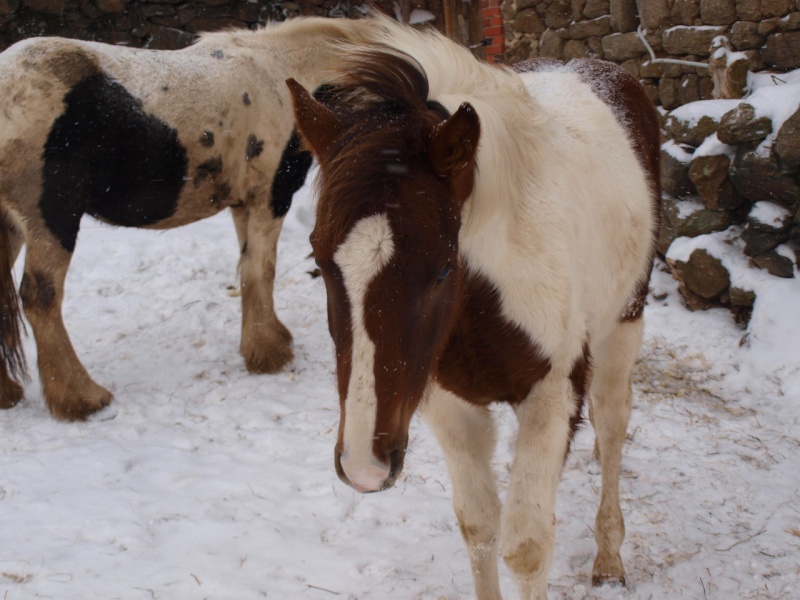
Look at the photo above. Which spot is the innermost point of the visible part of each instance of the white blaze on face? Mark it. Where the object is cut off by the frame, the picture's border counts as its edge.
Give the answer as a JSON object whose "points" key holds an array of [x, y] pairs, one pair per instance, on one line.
{"points": [[366, 251]]}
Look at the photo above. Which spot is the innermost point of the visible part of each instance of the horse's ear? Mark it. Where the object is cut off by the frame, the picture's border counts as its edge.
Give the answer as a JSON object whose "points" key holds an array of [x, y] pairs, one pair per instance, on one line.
{"points": [[316, 123], [454, 142]]}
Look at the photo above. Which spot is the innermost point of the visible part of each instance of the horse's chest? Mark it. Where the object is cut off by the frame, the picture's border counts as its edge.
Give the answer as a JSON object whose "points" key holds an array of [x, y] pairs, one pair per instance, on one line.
{"points": [[488, 358]]}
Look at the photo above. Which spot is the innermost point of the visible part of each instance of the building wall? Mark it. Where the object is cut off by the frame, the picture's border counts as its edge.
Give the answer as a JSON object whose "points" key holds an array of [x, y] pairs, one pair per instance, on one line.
{"points": [[157, 24], [768, 31]]}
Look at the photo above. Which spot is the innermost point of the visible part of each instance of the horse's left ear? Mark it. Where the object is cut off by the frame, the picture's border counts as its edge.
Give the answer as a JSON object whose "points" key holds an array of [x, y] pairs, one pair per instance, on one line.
{"points": [[454, 143], [317, 124]]}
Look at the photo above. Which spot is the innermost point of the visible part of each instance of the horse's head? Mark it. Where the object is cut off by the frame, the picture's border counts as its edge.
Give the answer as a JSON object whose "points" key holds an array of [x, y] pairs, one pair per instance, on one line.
{"points": [[395, 170]]}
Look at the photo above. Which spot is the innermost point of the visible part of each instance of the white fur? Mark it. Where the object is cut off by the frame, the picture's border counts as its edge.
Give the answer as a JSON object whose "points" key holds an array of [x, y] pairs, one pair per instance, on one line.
{"points": [[366, 251]]}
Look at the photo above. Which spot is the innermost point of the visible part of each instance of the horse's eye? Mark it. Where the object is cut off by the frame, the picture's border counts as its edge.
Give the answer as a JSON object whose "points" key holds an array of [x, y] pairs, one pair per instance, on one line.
{"points": [[443, 275]]}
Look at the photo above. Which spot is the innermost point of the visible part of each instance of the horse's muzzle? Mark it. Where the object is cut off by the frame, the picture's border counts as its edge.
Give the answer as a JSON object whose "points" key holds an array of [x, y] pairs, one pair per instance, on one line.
{"points": [[371, 475]]}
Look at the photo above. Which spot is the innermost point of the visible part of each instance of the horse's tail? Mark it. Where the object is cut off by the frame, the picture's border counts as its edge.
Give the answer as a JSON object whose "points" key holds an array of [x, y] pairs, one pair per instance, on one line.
{"points": [[11, 324]]}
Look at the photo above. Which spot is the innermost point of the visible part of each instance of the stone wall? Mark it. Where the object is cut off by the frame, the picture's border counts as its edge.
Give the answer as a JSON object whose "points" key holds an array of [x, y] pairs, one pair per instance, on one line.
{"points": [[767, 31], [157, 24]]}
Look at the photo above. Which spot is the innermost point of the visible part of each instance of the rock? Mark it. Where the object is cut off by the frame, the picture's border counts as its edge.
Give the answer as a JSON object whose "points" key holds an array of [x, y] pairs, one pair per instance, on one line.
{"points": [[703, 274], [675, 163], [749, 10], [528, 21], [710, 176], [624, 15], [718, 12], [705, 221], [693, 134], [775, 264], [741, 297], [596, 8], [558, 14], [757, 176], [745, 36], [689, 40], [8, 6], [782, 50], [576, 49], [594, 28], [768, 226], [728, 70], [620, 47], [111, 7], [654, 13], [551, 45], [668, 92], [164, 38], [685, 12], [48, 7], [740, 125], [787, 142], [775, 8]]}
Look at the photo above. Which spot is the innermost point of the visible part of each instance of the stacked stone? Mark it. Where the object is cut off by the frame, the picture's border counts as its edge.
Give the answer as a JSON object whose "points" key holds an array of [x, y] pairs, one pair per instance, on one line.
{"points": [[737, 181], [768, 31], [157, 24]]}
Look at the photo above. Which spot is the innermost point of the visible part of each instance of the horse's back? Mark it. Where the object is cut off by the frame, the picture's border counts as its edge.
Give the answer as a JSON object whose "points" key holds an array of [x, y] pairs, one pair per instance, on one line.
{"points": [[585, 203], [579, 92]]}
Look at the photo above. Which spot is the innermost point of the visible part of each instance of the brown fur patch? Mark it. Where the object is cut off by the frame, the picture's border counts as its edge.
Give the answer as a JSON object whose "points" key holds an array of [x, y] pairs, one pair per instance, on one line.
{"points": [[37, 291], [62, 61], [488, 358]]}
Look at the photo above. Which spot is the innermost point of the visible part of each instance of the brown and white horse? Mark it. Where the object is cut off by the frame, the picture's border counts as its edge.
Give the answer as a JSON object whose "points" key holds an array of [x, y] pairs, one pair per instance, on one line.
{"points": [[152, 139], [485, 236]]}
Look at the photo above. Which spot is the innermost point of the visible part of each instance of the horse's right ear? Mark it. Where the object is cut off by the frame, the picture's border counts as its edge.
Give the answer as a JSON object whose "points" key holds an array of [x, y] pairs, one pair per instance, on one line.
{"points": [[316, 123]]}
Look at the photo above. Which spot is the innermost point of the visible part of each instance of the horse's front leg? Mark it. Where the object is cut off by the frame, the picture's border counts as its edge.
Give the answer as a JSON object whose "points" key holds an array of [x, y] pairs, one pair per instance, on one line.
{"points": [[466, 435], [528, 527], [69, 391], [266, 343]]}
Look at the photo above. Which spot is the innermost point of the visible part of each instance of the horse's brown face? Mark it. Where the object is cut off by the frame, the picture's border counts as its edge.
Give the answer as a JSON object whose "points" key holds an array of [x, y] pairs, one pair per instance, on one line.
{"points": [[392, 287], [386, 241]]}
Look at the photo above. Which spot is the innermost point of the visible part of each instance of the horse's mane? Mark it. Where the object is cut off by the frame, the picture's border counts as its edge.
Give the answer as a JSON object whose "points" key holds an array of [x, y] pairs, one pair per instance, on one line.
{"points": [[509, 117], [382, 104], [352, 30]]}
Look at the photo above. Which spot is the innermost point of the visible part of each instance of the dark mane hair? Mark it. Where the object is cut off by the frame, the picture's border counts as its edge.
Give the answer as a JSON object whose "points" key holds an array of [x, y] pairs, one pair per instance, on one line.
{"points": [[381, 103]]}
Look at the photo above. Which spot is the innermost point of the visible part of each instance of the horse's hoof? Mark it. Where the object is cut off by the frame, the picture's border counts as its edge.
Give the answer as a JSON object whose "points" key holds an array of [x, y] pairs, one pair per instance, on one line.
{"points": [[10, 394], [610, 579], [271, 355], [80, 409]]}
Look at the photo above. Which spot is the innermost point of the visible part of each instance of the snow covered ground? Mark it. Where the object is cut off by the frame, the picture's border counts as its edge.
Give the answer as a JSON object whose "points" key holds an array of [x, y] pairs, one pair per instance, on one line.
{"points": [[206, 482]]}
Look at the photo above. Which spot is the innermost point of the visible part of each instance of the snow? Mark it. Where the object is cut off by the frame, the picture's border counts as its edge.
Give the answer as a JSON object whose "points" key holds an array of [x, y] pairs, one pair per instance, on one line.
{"points": [[204, 481], [769, 213]]}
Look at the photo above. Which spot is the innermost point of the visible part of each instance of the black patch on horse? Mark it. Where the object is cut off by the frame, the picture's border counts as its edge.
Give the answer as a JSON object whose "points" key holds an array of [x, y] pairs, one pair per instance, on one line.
{"points": [[107, 157], [208, 168], [295, 163], [290, 176], [254, 147], [207, 139]]}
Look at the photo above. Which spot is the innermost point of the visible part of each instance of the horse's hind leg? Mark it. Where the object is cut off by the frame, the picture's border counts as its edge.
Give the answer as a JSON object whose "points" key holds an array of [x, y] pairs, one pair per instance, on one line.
{"points": [[466, 435], [266, 343], [68, 389], [611, 399]]}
